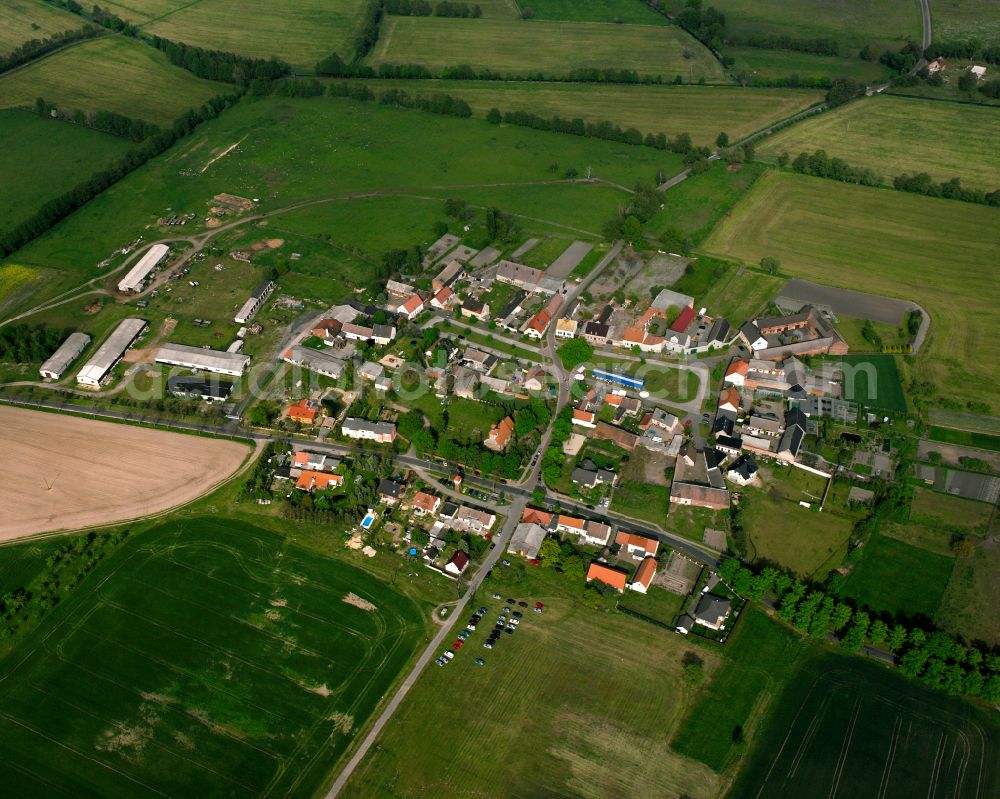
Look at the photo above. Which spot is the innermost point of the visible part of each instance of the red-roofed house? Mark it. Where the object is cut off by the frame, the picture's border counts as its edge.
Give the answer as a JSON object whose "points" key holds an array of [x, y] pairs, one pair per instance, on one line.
{"points": [[729, 399], [613, 399], [644, 575], [310, 480], [736, 374], [535, 516], [456, 563], [304, 411], [616, 578], [411, 307], [683, 320], [327, 329], [424, 503], [569, 524], [637, 545], [500, 434], [443, 298], [584, 418]]}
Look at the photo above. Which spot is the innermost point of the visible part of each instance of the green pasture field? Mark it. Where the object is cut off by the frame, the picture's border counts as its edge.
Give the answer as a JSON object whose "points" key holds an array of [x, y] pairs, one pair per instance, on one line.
{"points": [[758, 658], [968, 608], [846, 727], [742, 295], [301, 32], [545, 252], [893, 135], [887, 393], [23, 20], [966, 438], [519, 726], [965, 20], [772, 64], [700, 111], [935, 252], [695, 205], [111, 74], [358, 148], [641, 500], [618, 11], [851, 327], [42, 158], [552, 48], [936, 518], [897, 578], [207, 656], [852, 23], [779, 530]]}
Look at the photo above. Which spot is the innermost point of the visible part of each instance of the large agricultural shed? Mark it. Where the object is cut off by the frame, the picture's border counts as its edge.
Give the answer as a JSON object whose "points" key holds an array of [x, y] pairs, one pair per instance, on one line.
{"points": [[315, 361], [136, 277], [68, 352], [252, 305], [110, 352], [223, 363]]}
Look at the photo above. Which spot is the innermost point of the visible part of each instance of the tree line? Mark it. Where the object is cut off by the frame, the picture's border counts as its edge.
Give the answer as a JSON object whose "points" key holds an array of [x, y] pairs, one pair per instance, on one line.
{"points": [[820, 45], [421, 8], [36, 48], [935, 658], [971, 50], [60, 207], [443, 104], [219, 65], [369, 30], [29, 343], [819, 164], [110, 122]]}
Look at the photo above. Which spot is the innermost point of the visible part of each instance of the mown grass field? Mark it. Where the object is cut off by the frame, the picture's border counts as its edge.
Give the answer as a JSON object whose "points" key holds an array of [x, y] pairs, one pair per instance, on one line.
{"points": [[300, 32], [965, 20], [885, 391], [699, 111], [966, 438], [520, 726], [892, 135], [938, 253], [771, 64], [758, 658], [742, 294], [23, 20], [846, 727], [620, 11], [42, 158], [208, 657], [355, 148], [898, 578], [551, 48], [968, 607], [112, 74], [937, 518]]}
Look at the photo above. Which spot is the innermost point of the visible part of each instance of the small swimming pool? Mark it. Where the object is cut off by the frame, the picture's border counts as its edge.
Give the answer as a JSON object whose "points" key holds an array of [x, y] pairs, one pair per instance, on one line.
{"points": [[368, 521]]}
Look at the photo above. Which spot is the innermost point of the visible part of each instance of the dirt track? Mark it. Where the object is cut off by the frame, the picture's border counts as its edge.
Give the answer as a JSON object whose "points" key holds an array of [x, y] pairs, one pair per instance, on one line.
{"points": [[61, 472]]}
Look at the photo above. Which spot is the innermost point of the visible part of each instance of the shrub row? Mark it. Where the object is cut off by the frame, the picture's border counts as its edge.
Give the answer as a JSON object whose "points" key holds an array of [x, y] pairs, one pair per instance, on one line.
{"points": [[36, 48], [110, 122]]}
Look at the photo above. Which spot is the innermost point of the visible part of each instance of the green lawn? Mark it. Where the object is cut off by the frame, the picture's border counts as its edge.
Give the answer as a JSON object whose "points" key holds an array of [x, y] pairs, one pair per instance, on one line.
{"points": [[966, 438], [113, 74], [935, 252], [885, 391], [550, 47], [641, 500], [545, 252], [897, 578], [620, 11], [777, 64], [893, 135], [206, 656], [852, 330], [694, 206], [844, 726], [741, 295], [657, 604], [519, 726], [965, 20], [758, 657], [23, 20], [43, 158], [701, 111]]}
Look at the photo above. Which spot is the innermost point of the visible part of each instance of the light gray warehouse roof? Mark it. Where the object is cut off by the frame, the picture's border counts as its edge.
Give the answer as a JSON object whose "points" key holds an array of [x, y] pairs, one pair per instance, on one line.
{"points": [[110, 351], [68, 352], [230, 363], [315, 360]]}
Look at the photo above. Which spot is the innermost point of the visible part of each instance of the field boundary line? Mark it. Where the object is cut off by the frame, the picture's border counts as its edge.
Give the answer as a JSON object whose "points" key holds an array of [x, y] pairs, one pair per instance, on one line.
{"points": [[845, 747], [883, 786]]}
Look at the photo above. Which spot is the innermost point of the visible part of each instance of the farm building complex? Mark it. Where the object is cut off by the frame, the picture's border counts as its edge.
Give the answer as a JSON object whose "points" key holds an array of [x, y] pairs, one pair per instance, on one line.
{"points": [[110, 352], [68, 352], [137, 275], [223, 363], [257, 299]]}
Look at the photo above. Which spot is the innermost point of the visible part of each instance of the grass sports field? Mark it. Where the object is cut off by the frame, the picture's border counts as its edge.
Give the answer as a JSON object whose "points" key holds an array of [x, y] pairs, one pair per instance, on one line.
{"points": [[552, 48], [42, 158], [966, 19], [206, 657], [893, 135], [23, 20], [935, 252], [558, 701], [699, 111], [113, 74], [620, 11], [299, 31], [846, 727], [852, 23]]}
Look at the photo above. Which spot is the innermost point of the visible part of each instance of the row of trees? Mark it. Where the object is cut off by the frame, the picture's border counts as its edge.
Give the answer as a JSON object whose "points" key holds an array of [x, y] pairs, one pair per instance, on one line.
{"points": [[970, 49], [421, 8], [36, 48], [443, 104], [708, 25], [368, 33], [934, 657], [62, 206], [220, 65], [820, 45], [820, 165], [952, 189], [29, 343], [105, 121]]}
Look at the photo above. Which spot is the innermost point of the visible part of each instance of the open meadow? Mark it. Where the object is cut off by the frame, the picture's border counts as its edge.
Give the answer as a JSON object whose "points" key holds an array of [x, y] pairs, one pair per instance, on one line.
{"points": [[778, 64], [69, 472], [966, 19], [42, 158], [206, 657], [619, 11], [23, 20], [356, 149], [938, 253], [571, 691], [700, 111], [893, 135], [551, 48], [112, 74], [846, 727]]}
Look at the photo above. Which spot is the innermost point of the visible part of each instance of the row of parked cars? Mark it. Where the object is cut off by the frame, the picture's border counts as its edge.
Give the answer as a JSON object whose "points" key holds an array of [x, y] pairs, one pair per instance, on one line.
{"points": [[507, 622]]}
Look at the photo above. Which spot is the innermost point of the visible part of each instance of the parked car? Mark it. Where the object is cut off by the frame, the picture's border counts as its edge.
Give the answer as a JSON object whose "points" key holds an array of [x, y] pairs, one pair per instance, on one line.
{"points": [[470, 626], [517, 614], [496, 596], [493, 544], [457, 645], [509, 630], [488, 645], [480, 662], [482, 611], [510, 601], [440, 661], [514, 622], [464, 634], [506, 610], [522, 604], [448, 655]]}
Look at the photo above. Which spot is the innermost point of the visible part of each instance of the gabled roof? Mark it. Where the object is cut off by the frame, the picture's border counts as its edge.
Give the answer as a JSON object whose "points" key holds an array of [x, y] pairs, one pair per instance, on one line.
{"points": [[460, 560], [444, 295], [536, 516], [412, 304], [425, 501], [683, 320], [614, 577], [390, 488], [738, 367], [646, 572], [647, 544], [571, 522], [583, 416], [730, 396], [501, 432]]}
